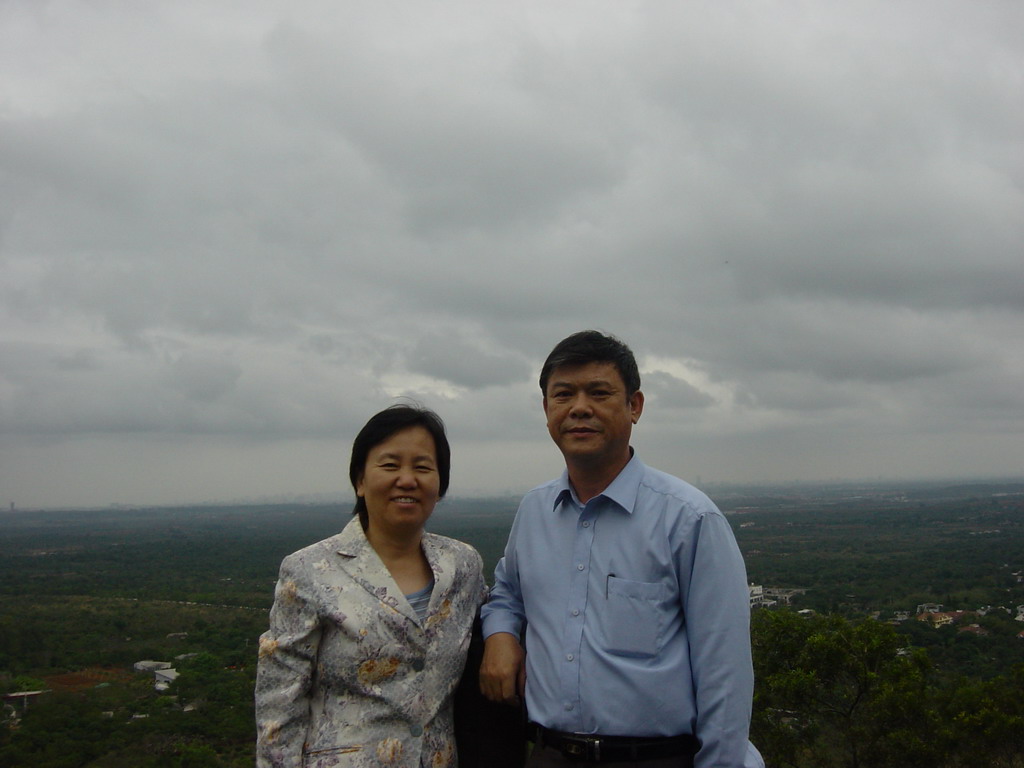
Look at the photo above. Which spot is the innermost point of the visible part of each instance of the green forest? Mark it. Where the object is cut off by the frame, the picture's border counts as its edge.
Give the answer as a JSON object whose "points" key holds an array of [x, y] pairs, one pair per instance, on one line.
{"points": [[841, 682]]}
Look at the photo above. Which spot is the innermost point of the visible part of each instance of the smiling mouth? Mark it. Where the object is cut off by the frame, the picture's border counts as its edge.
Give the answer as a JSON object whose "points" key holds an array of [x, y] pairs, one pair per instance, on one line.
{"points": [[404, 500]]}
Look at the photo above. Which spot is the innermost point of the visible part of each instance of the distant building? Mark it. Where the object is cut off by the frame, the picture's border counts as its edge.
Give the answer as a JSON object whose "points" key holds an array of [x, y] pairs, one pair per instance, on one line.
{"points": [[756, 594], [150, 666], [21, 697], [163, 678], [985, 610], [782, 595], [766, 597], [166, 675], [941, 618], [974, 629], [758, 599]]}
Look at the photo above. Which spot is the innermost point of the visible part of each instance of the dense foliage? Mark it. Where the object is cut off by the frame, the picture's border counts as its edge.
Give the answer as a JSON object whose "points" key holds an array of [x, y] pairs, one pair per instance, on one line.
{"points": [[84, 595], [836, 693]]}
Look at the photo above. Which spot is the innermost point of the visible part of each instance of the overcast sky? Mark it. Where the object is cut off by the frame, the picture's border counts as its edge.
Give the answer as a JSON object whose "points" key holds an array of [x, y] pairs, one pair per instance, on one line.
{"points": [[230, 232]]}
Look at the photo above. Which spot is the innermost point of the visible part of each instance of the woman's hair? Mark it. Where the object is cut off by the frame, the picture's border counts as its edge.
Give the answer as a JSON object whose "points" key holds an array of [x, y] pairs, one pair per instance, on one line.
{"points": [[383, 425]]}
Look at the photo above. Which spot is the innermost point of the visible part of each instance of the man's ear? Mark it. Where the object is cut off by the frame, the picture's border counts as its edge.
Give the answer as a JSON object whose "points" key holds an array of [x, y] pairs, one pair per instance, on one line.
{"points": [[636, 405]]}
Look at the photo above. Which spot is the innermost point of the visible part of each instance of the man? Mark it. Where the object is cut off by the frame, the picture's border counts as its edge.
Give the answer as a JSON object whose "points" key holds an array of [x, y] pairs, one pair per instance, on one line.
{"points": [[631, 587]]}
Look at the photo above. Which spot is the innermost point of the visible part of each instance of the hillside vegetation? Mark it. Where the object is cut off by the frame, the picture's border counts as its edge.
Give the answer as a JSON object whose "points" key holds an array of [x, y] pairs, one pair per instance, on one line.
{"points": [[86, 594]]}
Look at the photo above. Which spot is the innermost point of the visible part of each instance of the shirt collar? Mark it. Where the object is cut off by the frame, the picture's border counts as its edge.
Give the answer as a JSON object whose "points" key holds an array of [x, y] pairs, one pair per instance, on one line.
{"points": [[622, 490]]}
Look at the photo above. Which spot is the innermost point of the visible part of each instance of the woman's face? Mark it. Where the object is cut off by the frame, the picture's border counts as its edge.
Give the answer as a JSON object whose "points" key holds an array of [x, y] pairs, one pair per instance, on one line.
{"points": [[400, 482]]}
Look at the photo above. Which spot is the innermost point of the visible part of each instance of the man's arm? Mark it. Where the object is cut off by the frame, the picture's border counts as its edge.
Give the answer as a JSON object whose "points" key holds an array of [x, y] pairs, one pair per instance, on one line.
{"points": [[503, 670], [717, 607]]}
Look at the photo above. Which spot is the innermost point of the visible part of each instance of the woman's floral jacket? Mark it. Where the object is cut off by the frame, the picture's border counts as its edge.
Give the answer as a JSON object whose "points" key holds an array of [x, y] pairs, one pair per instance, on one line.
{"points": [[348, 676]]}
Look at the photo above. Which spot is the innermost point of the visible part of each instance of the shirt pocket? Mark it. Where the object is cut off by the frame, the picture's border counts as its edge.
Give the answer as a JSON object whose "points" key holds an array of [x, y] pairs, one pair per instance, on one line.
{"points": [[633, 618]]}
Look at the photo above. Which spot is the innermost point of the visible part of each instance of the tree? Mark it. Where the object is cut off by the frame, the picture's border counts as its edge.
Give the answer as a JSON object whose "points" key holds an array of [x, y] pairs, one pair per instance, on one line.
{"points": [[840, 694], [985, 722]]}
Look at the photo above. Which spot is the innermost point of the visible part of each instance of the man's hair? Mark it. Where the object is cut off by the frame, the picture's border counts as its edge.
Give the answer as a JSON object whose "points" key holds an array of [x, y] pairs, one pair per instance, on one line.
{"points": [[383, 425], [592, 347]]}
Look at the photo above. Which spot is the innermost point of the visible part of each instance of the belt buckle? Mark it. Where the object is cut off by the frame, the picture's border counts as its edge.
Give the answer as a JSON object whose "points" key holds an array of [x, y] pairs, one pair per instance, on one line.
{"points": [[574, 750], [583, 749]]}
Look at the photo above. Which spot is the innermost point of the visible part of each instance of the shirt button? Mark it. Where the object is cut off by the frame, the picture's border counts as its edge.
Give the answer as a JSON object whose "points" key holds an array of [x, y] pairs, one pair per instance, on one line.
{"points": [[579, 567], [416, 730], [568, 707], [586, 524], [575, 611], [569, 657], [417, 665]]}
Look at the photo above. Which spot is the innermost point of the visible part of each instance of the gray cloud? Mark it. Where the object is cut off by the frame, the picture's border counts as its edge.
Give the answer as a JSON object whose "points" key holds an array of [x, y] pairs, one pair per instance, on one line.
{"points": [[663, 390], [448, 358], [228, 234]]}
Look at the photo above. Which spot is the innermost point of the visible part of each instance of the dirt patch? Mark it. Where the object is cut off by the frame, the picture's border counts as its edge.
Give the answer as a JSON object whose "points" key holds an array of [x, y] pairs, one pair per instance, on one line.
{"points": [[86, 678]]}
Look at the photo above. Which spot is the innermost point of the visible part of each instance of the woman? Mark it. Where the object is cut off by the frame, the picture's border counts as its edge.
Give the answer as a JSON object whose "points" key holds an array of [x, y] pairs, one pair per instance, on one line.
{"points": [[369, 630]]}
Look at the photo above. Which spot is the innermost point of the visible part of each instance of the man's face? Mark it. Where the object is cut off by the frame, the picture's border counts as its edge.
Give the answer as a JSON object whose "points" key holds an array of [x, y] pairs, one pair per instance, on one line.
{"points": [[590, 418]]}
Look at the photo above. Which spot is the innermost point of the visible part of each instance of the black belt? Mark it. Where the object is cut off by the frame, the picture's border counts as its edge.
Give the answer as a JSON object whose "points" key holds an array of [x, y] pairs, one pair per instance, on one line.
{"points": [[593, 748]]}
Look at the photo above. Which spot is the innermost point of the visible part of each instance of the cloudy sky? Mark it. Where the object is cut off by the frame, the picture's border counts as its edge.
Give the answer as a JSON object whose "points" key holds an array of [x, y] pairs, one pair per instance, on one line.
{"points": [[230, 232]]}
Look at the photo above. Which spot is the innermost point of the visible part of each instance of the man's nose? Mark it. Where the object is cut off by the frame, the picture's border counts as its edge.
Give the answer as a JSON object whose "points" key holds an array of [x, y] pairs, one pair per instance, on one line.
{"points": [[406, 478], [581, 405]]}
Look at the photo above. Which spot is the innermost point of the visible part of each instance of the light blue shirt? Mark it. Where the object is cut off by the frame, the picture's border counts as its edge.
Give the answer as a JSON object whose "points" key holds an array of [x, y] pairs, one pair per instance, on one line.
{"points": [[639, 613], [420, 600]]}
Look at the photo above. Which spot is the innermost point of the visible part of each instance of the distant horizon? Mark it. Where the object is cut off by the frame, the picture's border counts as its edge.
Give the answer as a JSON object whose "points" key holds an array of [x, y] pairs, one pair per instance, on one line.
{"points": [[709, 487]]}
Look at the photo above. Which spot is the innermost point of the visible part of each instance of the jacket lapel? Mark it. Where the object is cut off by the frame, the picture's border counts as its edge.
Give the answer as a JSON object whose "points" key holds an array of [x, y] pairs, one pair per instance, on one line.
{"points": [[443, 567], [364, 566]]}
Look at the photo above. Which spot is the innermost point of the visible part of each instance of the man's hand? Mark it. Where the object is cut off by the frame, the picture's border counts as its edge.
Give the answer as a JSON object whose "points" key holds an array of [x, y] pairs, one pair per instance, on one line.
{"points": [[503, 670]]}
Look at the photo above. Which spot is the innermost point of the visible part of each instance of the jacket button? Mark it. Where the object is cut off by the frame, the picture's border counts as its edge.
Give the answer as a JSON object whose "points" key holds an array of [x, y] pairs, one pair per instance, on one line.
{"points": [[416, 730], [417, 665]]}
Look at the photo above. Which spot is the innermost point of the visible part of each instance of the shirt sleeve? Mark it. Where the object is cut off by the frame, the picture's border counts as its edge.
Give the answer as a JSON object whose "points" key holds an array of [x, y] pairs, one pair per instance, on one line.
{"points": [[716, 604], [504, 611], [284, 671]]}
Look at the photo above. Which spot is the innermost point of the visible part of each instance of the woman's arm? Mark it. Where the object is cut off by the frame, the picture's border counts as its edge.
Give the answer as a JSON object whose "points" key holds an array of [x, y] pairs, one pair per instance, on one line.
{"points": [[284, 673]]}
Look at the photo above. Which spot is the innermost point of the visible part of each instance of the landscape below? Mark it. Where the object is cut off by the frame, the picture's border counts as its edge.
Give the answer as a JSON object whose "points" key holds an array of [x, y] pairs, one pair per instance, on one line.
{"points": [[901, 644]]}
